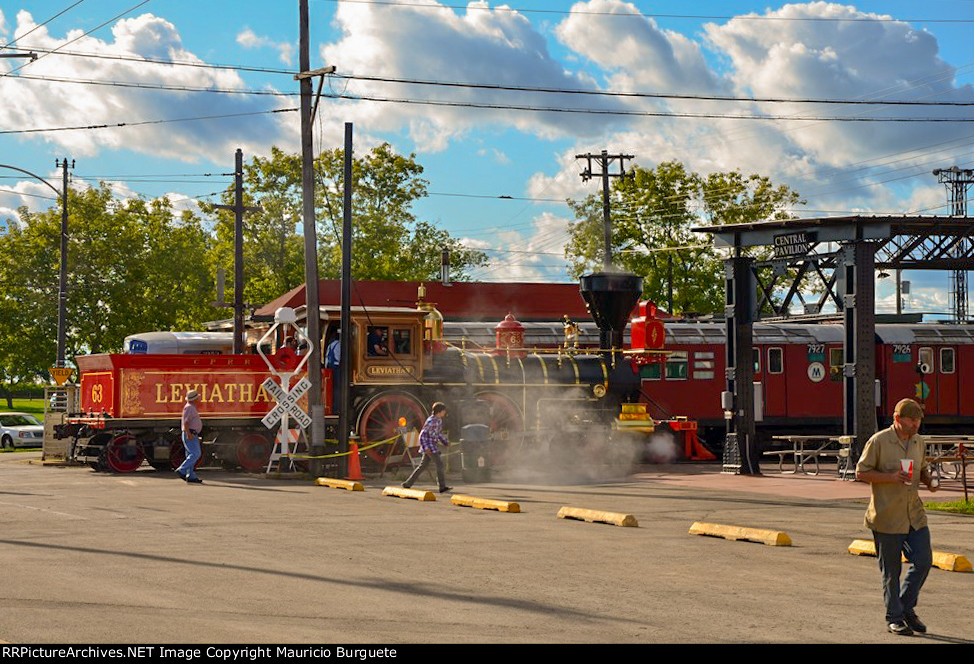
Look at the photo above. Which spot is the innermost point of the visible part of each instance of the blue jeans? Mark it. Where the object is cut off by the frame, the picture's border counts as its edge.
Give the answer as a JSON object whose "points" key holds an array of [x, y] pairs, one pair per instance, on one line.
{"points": [[915, 545], [192, 444]]}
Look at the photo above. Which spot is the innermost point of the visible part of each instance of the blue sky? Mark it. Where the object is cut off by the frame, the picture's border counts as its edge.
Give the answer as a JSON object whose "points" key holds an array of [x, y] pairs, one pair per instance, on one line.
{"points": [[472, 155]]}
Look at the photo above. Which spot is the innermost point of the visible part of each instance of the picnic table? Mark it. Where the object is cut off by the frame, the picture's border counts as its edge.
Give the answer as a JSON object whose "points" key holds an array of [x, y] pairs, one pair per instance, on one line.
{"points": [[806, 451], [948, 458]]}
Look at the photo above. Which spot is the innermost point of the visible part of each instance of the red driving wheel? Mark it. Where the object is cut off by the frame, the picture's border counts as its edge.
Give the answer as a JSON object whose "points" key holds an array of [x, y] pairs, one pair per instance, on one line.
{"points": [[380, 421], [123, 454], [253, 452], [506, 426], [177, 454]]}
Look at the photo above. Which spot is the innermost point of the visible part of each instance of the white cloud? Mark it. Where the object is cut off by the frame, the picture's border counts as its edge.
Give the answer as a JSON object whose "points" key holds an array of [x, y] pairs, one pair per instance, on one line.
{"points": [[838, 166], [250, 39], [30, 193], [636, 52], [532, 256], [32, 104], [481, 46]]}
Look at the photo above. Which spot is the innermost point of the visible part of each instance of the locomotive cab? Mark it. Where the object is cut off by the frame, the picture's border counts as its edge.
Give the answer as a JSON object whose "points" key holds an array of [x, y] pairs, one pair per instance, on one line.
{"points": [[386, 343]]}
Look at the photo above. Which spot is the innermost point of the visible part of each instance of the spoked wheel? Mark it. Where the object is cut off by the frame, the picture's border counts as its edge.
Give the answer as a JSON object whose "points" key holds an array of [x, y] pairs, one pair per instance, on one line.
{"points": [[123, 454], [254, 451], [177, 454], [506, 427], [380, 421]]}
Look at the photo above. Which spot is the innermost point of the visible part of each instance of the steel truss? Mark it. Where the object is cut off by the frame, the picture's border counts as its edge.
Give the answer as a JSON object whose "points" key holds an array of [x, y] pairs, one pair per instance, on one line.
{"points": [[836, 258]]}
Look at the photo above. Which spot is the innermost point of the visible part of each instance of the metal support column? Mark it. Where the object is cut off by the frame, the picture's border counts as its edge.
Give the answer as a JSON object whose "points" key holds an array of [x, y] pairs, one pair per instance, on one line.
{"points": [[740, 448], [859, 346]]}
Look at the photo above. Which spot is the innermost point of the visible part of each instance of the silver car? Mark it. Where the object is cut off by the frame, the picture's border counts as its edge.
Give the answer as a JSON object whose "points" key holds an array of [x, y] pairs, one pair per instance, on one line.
{"points": [[20, 430]]}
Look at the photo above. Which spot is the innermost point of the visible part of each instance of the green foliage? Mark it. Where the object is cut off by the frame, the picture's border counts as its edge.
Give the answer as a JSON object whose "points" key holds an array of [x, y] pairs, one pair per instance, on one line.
{"points": [[389, 243], [954, 507], [652, 214], [133, 266], [136, 265]]}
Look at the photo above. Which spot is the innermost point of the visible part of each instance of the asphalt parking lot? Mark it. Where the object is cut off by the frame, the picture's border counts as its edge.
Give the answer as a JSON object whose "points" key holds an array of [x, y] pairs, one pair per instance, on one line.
{"points": [[146, 558]]}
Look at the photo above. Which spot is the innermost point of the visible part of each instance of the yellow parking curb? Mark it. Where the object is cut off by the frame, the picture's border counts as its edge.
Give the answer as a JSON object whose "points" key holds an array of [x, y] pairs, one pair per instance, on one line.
{"points": [[485, 503], [862, 548], [582, 514], [760, 535], [350, 485], [952, 562], [415, 494]]}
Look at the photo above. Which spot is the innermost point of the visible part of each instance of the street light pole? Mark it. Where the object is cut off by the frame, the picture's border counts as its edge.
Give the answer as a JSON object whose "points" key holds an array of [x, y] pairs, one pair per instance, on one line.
{"points": [[62, 297], [63, 280]]}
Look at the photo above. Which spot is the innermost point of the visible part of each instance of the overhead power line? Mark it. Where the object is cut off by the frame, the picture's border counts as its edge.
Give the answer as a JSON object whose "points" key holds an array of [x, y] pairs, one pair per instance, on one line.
{"points": [[483, 86], [81, 36], [146, 122], [634, 113], [707, 17], [650, 95]]}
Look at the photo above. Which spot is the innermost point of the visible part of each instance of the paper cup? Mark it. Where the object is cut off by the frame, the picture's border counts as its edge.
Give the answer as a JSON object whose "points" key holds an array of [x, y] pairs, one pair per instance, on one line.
{"points": [[906, 465]]}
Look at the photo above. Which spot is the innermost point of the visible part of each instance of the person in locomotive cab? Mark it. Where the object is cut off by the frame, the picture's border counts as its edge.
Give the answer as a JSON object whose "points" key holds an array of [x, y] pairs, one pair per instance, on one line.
{"points": [[378, 341], [430, 438], [192, 425], [889, 462]]}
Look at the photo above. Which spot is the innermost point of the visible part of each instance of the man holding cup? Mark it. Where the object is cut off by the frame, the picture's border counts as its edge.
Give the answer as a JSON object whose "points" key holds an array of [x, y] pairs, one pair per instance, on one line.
{"points": [[894, 463]]}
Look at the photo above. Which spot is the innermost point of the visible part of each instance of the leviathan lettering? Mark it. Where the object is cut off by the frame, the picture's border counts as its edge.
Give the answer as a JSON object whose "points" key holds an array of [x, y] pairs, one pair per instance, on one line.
{"points": [[212, 393]]}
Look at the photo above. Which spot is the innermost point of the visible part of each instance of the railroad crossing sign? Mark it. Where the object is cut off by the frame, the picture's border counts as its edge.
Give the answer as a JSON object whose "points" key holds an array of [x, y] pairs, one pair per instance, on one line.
{"points": [[287, 403]]}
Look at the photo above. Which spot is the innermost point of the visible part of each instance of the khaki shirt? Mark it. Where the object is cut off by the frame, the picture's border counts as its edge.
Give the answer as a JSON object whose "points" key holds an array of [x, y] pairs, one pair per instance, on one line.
{"points": [[894, 508]]}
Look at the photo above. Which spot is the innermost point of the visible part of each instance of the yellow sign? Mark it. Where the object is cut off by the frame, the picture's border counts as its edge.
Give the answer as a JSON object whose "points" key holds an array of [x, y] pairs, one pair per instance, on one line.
{"points": [[61, 374]]}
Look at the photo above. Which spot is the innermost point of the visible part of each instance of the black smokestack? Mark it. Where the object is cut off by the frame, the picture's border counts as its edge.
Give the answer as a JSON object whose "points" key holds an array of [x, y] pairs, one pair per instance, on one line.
{"points": [[610, 297]]}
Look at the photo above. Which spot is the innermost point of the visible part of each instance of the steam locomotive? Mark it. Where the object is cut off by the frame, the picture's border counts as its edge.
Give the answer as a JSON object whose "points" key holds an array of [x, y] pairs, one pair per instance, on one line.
{"points": [[400, 363]]}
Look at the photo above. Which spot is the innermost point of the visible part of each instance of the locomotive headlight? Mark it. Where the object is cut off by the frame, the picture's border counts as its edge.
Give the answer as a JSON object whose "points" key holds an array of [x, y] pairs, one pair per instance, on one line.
{"points": [[598, 390]]}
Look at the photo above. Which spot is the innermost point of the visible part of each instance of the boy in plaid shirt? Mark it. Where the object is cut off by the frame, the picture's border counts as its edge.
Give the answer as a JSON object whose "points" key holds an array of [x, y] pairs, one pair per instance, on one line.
{"points": [[430, 439]]}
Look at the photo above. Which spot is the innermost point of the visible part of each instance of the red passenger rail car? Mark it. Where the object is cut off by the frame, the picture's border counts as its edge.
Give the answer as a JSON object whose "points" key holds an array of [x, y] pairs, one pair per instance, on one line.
{"points": [[798, 371]]}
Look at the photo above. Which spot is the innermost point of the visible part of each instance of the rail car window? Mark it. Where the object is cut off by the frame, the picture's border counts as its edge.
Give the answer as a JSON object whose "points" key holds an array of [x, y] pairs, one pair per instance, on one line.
{"points": [[703, 365], [652, 371], [757, 360], [676, 366], [402, 342], [926, 360], [947, 360], [776, 361], [836, 362]]}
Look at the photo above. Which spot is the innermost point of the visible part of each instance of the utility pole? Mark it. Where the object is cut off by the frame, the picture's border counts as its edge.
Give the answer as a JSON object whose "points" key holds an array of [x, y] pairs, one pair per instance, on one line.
{"points": [[957, 180], [604, 160], [238, 209], [312, 305], [62, 298]]}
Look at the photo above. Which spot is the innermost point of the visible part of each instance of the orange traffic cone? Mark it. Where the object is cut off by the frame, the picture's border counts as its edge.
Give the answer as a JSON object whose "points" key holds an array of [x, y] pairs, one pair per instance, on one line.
{"points": [[354, 465]]}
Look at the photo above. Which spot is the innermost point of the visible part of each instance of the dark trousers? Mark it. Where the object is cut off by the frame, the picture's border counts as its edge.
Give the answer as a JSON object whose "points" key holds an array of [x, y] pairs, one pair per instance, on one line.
{"points": [[423, 465], [915, 546]]}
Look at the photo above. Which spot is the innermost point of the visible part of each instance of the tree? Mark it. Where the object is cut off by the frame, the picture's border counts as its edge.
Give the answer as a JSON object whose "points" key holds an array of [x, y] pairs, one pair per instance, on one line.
{"points": [[133, 266], [652, 214], [388, 242]]}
